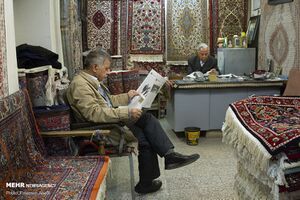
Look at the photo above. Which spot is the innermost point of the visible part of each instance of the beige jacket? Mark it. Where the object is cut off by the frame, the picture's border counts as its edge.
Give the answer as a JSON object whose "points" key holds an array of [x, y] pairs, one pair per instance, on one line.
{"points": [[88, 104]]}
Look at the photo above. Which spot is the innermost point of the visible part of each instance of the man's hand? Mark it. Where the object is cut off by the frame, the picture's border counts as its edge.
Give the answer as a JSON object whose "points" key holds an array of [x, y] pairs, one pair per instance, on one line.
{"points": [[132, 93], [135, 113], [213, 71], [169, 83]]}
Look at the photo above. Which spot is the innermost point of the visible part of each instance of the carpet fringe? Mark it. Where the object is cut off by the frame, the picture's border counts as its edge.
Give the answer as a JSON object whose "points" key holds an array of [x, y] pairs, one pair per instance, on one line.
{"points": [[254, 156], [146, 58], [246, 145], [246, 185]]}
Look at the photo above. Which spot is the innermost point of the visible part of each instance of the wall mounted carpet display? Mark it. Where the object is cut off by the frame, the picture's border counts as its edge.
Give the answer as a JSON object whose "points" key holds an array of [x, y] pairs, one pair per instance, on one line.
{"points": [[146, 21], [228, 17], [123, 41], [279, 36], [71, 36], [213, 24], [187, 26], [3, 69], [102, 24], [232, 17]]}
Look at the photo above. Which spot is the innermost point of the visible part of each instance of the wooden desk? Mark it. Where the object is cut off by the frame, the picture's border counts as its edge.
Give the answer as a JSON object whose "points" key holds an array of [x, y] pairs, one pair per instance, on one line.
{"points": [[203, 104]]}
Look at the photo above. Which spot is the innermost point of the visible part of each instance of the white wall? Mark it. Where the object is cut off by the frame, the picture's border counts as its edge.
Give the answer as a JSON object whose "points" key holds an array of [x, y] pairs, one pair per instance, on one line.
{"points": [[12, 70], [32, 22], [37, 22]]}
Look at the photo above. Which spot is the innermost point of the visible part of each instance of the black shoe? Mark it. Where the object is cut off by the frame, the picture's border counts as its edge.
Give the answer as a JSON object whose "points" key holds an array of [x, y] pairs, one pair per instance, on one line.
{"points": [[144, 188], [175, 160]]}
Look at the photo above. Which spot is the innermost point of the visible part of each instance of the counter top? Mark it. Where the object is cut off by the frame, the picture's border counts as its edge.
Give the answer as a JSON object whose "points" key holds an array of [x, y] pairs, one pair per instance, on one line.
{"points": [[182, 84]]}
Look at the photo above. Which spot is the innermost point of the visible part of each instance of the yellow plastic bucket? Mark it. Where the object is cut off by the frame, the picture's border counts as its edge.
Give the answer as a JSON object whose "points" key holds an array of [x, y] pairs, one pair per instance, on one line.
{"points": [[212, 77], [192, 135]]}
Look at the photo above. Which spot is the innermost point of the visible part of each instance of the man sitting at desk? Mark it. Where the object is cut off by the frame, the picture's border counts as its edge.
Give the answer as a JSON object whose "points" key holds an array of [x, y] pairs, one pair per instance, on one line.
{"points": [[202, 62]]}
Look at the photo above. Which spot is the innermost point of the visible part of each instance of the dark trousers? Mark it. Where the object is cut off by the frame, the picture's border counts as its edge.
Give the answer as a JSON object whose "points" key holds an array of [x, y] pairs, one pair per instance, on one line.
{"points": [[152, 140]]}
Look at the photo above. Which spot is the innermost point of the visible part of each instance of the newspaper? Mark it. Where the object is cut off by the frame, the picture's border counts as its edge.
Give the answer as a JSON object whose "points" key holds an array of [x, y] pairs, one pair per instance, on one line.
{"points": [[148, 90]]}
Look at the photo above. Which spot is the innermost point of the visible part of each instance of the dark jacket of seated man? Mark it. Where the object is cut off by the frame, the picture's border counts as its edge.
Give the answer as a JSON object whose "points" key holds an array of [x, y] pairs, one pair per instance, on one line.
{"points": [[202, 62], [91, 101]]}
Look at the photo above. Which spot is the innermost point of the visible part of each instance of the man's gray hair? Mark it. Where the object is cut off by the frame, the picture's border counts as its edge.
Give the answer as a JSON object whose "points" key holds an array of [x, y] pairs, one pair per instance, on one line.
{"points": [[202, 46], [97, 56]]}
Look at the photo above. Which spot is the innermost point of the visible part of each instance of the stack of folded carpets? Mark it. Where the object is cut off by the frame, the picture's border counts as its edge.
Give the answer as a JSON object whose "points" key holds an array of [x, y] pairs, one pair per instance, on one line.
{"points": [[265, 134]]}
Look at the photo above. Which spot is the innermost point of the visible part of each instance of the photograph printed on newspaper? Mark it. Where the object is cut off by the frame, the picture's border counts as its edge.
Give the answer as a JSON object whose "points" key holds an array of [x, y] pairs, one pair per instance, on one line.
{"points": [[148, 90]]}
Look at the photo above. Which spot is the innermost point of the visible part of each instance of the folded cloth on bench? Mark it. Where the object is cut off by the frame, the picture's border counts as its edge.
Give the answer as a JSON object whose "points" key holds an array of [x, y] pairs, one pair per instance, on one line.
{"points": [[26, 170]]}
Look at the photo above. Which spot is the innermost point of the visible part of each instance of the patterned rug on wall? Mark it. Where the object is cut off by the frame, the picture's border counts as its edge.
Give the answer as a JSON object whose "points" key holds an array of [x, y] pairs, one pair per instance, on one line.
{"points": [[213, 24], [232, 17], [123, 41], [146, 26], [228, 17], [187, 26], [102, 24], [3, 67], [279, 36], [71, 36]]}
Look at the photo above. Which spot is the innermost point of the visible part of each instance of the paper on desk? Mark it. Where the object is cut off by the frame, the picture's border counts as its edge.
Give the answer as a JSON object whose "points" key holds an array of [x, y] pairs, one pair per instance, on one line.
{"points": [[148, 90], [196, 74], [228, 76]]}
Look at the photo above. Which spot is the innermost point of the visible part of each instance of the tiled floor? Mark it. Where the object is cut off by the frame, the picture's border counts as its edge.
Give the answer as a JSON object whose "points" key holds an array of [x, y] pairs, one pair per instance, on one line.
{"points": [[211, 177]]}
